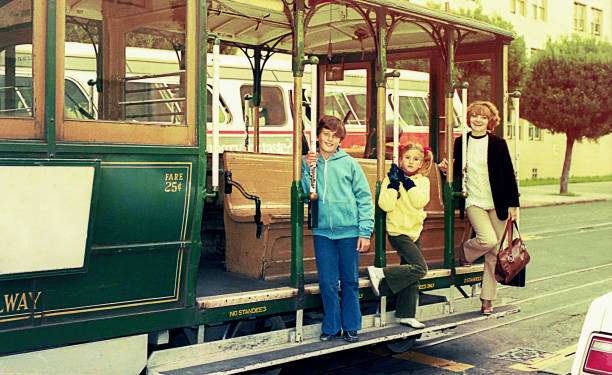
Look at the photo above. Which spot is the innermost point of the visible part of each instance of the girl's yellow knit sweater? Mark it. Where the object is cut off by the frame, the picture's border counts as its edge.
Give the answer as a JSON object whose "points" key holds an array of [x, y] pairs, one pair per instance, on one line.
{"points": [[405, 214]]}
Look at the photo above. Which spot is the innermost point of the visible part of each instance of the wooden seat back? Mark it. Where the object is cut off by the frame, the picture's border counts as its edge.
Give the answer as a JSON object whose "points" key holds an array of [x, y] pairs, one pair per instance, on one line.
{"points": [[269, 176]]}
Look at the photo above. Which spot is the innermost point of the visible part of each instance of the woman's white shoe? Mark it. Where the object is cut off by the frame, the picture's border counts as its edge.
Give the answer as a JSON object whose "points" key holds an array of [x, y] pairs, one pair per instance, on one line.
{"points": [[376, 275], [412, 322]]}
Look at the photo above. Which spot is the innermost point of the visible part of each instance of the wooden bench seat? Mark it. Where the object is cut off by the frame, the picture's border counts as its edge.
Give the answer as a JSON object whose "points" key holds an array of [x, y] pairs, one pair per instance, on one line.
{"points": [[269, 177]]}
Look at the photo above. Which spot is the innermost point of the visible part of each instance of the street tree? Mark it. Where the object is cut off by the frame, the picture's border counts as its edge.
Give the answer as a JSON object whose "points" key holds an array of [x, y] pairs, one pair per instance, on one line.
{"points": [[478, 73], [569, 90]]}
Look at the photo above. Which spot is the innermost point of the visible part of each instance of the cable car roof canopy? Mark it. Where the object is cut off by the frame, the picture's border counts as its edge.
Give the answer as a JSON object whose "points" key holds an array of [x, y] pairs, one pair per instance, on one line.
{"points": [[342, 26]]}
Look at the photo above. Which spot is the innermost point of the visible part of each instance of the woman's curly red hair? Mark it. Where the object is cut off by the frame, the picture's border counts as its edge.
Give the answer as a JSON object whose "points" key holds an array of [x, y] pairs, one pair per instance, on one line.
{"points": [[487, 109]]}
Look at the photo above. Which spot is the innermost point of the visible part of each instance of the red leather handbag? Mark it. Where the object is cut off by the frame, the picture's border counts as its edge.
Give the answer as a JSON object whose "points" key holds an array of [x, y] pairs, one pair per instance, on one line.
{"points": [[512, 259]]}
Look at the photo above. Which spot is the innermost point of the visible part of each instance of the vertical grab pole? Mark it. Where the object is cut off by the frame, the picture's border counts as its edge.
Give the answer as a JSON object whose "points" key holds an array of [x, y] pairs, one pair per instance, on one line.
{"points": [[380, 256], [257, 72], [396, 116], [449, 196], [381, 119], [464, 127], [313, 205], [297, 194], [215, 116], [515, 103]]}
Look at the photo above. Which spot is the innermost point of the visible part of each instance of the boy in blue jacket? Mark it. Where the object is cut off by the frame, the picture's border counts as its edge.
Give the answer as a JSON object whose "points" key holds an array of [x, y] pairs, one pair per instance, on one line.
{"points": [[345, 225]]}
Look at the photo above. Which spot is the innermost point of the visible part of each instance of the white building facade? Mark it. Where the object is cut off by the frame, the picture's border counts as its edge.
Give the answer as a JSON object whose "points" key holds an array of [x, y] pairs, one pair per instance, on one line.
{"points": [[542, 153]]}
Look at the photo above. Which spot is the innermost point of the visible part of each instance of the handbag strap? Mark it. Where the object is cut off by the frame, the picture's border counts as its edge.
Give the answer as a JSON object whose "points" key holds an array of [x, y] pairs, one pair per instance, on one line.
{"points": [[509, 227], [514, 224]]}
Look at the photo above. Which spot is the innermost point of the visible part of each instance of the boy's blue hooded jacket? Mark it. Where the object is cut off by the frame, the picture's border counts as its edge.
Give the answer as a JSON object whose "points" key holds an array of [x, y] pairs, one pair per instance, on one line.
{"points": [[345, 202]]}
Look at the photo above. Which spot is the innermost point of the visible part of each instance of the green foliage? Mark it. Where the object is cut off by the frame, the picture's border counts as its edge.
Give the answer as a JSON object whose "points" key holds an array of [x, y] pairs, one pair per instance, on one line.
{"points": [[477, 73], [569, 88]]}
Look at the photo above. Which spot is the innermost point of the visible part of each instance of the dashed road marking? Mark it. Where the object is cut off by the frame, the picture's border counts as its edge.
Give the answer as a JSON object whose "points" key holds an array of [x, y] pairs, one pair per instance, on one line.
{"points": [[531, 237], [434, 361]]}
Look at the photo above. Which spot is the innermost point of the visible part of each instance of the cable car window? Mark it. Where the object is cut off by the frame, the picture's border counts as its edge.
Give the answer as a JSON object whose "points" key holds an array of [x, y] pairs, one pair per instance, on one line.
{"points": [[16, 59], [144, 81], [272, 108], [76, 104]]}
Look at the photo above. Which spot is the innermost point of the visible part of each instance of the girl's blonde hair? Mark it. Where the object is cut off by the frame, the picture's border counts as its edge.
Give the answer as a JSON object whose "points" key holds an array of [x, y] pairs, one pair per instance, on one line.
{"points": [[427, 155], [487, 109]]}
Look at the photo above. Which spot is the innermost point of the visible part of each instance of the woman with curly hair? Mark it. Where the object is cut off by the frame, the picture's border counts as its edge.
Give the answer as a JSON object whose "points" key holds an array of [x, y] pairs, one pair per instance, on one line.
{"points": [[493, 195]]}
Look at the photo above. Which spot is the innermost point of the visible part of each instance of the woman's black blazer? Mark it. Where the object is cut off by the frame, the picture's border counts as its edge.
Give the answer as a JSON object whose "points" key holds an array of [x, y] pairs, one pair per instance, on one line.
{"points": [[501, 174]]}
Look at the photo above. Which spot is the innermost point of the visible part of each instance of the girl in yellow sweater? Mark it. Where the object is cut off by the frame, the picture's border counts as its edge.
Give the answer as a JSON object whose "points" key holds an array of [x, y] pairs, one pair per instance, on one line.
{"points": [[403, 196]]}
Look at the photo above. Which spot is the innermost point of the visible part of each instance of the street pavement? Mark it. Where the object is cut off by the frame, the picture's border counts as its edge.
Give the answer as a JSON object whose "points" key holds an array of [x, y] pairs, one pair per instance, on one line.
{"points": [[548, 195]]}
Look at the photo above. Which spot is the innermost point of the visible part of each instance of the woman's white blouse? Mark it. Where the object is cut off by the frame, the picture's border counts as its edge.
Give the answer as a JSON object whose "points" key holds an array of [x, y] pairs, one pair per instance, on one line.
{"points": [[478, 185]]}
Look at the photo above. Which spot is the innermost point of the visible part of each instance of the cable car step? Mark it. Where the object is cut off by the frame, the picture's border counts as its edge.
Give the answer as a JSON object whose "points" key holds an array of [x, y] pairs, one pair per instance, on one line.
{"points": [[256, 352]]}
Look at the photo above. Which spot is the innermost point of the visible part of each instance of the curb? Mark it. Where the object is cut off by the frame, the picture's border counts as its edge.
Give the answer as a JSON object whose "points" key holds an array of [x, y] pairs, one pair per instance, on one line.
{"points": [[532, 204]]}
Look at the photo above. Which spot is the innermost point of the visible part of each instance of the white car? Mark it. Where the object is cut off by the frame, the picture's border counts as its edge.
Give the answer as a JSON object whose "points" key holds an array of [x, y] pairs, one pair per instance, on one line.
{"points": [[594, 351]]}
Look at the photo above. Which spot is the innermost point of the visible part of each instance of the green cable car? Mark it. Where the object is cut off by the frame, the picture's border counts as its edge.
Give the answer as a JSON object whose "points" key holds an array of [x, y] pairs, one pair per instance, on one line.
{"points": [[104, 263]]}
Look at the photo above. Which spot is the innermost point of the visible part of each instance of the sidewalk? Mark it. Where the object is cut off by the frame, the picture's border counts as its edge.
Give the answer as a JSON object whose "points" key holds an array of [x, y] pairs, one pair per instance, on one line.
{"points": [[548, 195]]}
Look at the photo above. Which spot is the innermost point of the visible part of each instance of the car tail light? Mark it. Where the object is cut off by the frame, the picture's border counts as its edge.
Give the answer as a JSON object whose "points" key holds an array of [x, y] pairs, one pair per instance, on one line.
{"points": [[599, 356]]}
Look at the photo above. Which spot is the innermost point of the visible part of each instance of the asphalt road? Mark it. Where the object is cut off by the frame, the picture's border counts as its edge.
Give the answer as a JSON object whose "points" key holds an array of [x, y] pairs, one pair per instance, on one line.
{"points": [[571, 264]]}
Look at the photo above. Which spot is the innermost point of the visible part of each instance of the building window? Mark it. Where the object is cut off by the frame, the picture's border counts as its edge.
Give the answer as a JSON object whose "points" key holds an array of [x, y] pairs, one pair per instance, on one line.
{"points": [[511, 133], [521, 7], [517, 6], [579, 17], [596, 18], [535, 134], [539, 10]]}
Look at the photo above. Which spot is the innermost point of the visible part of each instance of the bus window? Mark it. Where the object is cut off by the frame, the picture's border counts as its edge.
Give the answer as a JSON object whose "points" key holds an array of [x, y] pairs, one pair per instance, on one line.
{"points": [[76, 104], [223, 111], [272, 109], [413, 110], [358, 106], [16, 97], [335, 105]]}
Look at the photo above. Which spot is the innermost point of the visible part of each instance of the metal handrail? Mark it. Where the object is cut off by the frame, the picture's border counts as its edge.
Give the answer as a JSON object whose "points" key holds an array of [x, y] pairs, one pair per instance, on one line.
{"points": [[134, 78], [152, 101]]}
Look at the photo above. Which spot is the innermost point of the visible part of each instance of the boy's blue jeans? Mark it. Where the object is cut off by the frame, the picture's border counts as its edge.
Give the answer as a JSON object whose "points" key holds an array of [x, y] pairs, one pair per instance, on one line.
{"points": [[338, 260]]}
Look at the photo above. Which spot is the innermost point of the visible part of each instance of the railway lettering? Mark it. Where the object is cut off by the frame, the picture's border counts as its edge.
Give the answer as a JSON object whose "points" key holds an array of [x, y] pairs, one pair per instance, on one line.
{"points": [[252, 310], [21, 301], [426, 285], [472, 279]]}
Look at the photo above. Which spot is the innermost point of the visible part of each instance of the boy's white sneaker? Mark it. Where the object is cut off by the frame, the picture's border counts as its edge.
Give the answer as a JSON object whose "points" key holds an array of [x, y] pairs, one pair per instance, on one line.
{"points": [[376, 275], [412, 322]]}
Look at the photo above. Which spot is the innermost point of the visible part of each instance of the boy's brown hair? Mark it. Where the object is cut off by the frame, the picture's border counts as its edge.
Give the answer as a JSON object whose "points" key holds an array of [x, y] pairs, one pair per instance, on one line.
{"points": [[483, 108], [427, 155], [333, 124]]}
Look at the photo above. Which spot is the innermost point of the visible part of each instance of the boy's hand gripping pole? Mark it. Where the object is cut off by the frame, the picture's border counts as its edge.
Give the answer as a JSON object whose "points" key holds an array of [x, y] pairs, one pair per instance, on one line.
{"points": [[313, 205]]}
